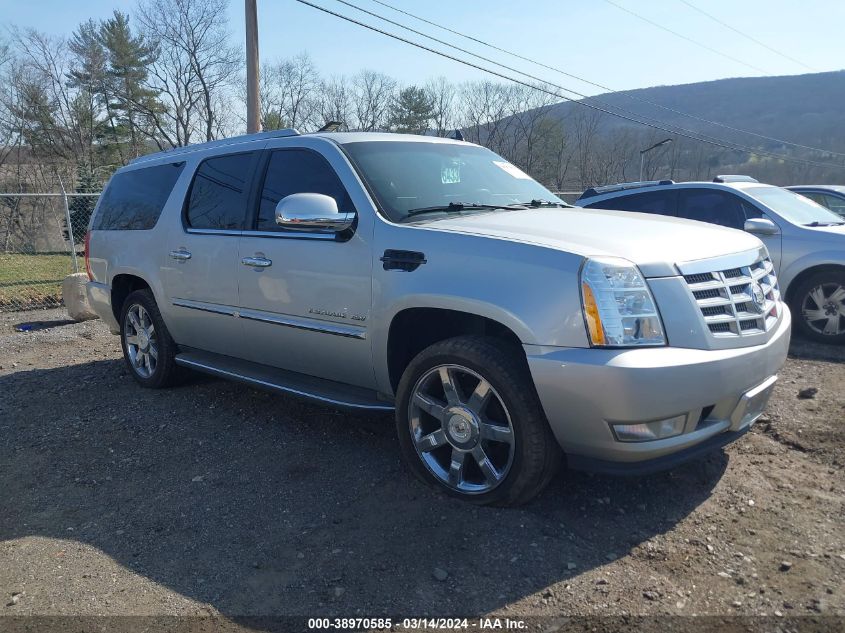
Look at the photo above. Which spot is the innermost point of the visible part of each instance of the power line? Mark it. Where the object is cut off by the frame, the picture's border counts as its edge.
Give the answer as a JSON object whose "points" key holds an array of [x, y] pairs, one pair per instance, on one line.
{"points": [[678, 130], [747, 36], [688, 39], [603, 87], [560, 96], [632, 116]]}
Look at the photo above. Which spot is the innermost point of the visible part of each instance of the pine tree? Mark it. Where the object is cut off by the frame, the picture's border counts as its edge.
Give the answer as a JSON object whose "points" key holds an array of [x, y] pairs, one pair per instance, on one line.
{"points": [[411, 112], [128, 57]]}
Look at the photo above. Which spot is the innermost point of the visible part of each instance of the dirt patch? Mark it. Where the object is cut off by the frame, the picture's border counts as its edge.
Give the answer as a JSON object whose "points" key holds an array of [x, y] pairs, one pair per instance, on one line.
{"points": [[214, 498]]}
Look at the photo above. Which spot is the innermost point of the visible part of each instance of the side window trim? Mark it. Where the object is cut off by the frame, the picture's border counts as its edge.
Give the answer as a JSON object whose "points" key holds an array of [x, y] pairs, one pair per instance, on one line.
{"points": [[187, 228], [261, 170]]}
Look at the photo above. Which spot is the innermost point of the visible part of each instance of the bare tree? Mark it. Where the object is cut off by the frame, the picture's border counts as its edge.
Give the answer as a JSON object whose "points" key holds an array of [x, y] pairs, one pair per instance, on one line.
{"points": [[486, 105], [194, 65], [372, 95], [442, 94], [335, 101]]}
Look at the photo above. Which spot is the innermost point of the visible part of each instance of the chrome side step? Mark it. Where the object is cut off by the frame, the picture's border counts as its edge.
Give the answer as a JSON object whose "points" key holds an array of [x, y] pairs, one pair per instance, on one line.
{"points": [[290, 383]]}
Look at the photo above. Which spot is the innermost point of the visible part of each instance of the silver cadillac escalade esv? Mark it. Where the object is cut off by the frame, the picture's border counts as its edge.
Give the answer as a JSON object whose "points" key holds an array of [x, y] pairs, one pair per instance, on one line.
{"points": [[509, 332]]}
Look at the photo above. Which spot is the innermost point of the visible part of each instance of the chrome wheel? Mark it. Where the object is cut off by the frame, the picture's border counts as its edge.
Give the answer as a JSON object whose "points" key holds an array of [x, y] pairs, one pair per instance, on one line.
{"points": [[823, 309], [461, 429], [140, 338]]}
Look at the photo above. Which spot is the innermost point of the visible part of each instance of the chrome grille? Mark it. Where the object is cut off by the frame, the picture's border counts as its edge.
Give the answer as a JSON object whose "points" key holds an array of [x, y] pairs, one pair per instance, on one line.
{"points": [[727, 299]]}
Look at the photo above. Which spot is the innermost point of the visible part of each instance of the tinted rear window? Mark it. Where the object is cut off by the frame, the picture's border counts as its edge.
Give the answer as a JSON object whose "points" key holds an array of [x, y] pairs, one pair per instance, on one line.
{"points": [[134, 199], [660, 202], [218, 197]]}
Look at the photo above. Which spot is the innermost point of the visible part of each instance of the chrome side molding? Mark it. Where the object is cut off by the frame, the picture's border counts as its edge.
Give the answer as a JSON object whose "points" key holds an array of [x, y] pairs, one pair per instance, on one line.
{"points": [[312, 325]]}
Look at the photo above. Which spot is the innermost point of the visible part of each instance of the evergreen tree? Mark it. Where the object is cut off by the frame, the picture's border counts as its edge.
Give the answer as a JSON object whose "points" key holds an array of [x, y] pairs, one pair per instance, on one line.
{"points": [[411, 111], [81, 207], [128, 57], [88, 77]]}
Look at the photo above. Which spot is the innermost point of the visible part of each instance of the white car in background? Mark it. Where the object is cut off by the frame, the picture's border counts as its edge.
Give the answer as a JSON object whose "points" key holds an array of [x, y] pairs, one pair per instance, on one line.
{"points": [[805, 240]]}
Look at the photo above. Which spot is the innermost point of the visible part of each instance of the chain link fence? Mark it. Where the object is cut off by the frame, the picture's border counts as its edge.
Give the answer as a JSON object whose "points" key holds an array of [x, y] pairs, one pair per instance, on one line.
{"points": [[43, 241]]}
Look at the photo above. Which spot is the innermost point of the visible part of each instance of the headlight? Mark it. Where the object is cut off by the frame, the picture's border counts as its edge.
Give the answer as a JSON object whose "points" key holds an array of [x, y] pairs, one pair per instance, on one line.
{"points": [[618, 307]]}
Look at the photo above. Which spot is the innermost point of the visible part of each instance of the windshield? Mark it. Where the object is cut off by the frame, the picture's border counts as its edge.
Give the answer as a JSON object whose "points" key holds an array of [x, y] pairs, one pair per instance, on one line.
{"points": [[793, 207], [406, 176]]}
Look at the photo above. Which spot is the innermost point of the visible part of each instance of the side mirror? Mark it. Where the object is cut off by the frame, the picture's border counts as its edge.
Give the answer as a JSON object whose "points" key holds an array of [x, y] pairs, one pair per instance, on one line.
{"points": [[312, 212], [761, 226]]}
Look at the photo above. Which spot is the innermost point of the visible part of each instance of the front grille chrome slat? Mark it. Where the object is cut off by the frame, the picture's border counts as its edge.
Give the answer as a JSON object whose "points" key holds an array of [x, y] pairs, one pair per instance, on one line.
{"points": [[727, 303]]}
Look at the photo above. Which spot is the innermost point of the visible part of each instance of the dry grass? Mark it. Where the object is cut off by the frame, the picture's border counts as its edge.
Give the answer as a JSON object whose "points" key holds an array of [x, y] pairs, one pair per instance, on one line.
{"points": [[28, 281]]}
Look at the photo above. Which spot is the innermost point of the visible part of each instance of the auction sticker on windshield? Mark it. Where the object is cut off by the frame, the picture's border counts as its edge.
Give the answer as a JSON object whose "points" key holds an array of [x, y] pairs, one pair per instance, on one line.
{"points": [[513, 170]]}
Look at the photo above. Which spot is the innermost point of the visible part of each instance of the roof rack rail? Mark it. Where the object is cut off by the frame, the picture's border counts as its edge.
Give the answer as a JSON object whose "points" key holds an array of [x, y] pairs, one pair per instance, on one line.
{"points": [[598, 191], [734, 178], [243, 138]]}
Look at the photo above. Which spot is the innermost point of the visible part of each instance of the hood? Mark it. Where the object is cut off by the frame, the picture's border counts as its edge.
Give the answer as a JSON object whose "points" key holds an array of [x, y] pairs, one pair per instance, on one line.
{"points": [[654, 242], [827, 233]]}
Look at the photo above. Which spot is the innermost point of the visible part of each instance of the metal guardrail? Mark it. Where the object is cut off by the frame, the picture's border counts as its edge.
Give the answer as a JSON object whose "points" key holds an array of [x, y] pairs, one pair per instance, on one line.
{"points": [[42, 241]]}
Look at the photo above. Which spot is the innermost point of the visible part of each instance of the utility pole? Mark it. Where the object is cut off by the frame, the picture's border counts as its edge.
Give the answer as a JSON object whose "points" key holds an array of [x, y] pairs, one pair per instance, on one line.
{"points": [[253, 107]]}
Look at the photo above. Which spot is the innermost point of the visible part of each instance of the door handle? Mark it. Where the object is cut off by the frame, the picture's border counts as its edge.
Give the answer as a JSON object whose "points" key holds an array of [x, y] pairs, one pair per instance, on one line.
{"points": [[181, 254], [257, 262]]}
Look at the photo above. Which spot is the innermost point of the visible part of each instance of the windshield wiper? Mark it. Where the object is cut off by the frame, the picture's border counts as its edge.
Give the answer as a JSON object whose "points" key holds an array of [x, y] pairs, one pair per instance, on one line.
{"points": [[537, 203], [817, 223], [457, 207]]}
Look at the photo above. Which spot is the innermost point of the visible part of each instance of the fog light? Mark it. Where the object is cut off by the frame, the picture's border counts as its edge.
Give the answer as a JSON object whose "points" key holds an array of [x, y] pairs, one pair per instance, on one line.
{"points": [[646, 431]]}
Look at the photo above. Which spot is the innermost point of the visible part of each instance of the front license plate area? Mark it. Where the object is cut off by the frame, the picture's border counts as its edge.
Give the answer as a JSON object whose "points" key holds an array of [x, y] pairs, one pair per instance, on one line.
{"points": [[752, 404]]}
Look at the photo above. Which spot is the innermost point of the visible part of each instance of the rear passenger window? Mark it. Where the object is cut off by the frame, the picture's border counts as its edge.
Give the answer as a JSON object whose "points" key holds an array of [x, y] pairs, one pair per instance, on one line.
{"points": [[218, 198], [712, 206], [298, 171], [659, 202], [134, 199]]}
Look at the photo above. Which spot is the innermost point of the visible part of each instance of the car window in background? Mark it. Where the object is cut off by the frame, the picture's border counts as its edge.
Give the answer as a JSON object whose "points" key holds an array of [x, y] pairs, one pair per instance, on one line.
{"points": [[298, 171], [660, 202], [815, 197], [716, 207], [412, 175], [134, 199], [793, 206], [835, 204], [218, 198]]}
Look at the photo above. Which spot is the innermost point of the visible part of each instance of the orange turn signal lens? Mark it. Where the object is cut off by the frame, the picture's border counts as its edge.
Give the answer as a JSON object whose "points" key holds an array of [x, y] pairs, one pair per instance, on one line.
{"points": [[591, 314]]}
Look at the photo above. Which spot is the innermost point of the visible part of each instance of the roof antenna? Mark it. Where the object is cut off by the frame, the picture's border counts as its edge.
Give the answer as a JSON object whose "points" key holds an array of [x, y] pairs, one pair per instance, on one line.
{"points": [[331, 126], [456, 135]]}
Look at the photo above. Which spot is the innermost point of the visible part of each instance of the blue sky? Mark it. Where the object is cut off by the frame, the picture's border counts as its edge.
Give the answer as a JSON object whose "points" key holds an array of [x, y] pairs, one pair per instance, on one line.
{"points": [[591, 38]]}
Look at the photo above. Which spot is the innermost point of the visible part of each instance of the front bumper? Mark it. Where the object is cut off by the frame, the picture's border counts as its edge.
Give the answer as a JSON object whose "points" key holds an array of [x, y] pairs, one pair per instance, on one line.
{"points": [[99, 297], [721, 393]]}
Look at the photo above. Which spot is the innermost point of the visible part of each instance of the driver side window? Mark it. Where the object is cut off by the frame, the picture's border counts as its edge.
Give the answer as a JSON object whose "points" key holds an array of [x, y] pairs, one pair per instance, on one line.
{"points": [[292, 171]]}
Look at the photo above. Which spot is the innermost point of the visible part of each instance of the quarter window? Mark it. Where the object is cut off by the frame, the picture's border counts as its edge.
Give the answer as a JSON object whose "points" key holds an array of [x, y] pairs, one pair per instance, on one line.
{"points": [[218, 198], [134, 199], [292, 171]]}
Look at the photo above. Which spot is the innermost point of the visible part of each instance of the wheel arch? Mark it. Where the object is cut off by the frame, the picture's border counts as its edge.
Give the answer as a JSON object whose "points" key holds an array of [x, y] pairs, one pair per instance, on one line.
{"points": [[122, 285], [799, 278], [413, 329]]}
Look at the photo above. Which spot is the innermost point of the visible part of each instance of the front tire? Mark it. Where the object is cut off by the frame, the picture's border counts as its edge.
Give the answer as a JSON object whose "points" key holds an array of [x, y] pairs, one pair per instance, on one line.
{"points": [[470, 422], [148, 350], [818, 307]]}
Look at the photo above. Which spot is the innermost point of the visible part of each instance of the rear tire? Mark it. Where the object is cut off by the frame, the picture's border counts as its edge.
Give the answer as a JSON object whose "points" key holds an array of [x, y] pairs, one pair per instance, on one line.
{"points": [[148, 350], [470, 423], [818, 307]]}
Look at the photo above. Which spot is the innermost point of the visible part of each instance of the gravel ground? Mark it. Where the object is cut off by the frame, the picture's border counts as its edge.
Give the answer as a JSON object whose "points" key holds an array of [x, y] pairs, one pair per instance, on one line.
{"points": [[213, 498]]}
